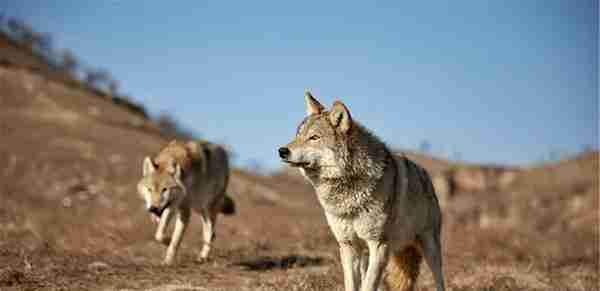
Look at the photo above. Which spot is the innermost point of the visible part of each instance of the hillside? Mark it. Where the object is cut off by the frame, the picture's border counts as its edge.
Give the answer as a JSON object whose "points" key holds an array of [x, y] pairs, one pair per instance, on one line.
{"points": [[70, 218]]}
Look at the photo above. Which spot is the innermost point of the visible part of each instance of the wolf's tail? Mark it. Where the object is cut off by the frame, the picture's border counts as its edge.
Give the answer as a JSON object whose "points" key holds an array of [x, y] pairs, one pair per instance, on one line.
{"points": [[403, 270], [228, 206]]}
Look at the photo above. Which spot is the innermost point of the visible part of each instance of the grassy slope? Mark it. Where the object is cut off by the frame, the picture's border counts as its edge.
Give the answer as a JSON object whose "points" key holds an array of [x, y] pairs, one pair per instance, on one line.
{"points": [[71, 161]]}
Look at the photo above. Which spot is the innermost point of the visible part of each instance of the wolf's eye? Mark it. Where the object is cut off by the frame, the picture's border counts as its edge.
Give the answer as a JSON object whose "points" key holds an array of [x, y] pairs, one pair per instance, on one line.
{"points": [[164, 190], [314, 137]]}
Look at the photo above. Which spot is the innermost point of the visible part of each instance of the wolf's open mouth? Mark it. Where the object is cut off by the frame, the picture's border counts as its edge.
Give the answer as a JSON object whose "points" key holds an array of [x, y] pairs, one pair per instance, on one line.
{"points": [[160, 212], [157, 212]]}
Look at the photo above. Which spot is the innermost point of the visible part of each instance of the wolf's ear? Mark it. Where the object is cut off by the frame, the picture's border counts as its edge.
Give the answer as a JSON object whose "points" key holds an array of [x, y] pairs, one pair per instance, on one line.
{"points": [[148, 167], [312, 105], [340, 117]]}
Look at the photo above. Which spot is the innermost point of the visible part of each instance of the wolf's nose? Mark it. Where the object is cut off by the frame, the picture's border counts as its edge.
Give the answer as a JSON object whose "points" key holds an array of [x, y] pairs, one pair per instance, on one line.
{"points": [[284, 153], [154, 210]]}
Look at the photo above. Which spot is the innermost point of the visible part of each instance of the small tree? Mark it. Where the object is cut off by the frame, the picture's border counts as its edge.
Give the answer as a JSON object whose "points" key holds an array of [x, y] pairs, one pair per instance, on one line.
{"points": [[42, 42], [97, 78], [3, 22], [91, 77], [69, 62], [14, 28], [587, 148], [113, 87], [425, 147], [22, 33], [457, 155]]}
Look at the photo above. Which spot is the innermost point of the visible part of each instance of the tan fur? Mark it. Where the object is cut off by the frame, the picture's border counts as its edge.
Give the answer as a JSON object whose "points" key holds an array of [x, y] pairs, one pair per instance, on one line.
{"points": [[178, 153], [369, 195], [186, 176], [403, 269]]}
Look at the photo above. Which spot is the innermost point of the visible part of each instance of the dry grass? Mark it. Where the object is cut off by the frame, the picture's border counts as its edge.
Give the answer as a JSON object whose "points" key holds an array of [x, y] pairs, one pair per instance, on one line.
{"points": [[70, 219]]}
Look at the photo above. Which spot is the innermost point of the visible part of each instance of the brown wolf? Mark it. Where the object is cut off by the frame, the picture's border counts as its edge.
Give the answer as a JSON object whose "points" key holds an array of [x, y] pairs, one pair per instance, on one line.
{"points": [[185, 176], [370, 197]]}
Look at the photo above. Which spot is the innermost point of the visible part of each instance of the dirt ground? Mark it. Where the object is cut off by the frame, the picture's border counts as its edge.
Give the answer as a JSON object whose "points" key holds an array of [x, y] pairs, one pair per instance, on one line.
{"points": [[70, 218]]}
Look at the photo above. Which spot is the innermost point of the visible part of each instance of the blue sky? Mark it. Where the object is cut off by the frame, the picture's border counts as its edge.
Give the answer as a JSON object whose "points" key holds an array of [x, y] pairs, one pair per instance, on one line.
{"points": [[487, 81]]}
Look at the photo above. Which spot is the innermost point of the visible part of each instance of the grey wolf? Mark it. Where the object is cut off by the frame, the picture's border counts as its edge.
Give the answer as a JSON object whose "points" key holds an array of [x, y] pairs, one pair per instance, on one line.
{"points": [[370, 197], [185, 176]]}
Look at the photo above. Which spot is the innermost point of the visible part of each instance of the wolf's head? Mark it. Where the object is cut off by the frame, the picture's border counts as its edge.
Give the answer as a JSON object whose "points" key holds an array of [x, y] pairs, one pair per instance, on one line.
{"points": [[322, 140], [160, 186]]}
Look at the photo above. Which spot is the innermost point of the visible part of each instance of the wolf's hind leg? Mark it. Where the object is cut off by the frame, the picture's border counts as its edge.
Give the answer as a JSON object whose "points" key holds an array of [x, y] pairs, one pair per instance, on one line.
{"points": [[165, 218], [403, 269], [432, 251], [209, 221]]}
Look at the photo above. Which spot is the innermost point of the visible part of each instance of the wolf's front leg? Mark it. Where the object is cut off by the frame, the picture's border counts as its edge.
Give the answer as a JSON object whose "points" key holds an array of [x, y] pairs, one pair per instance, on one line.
{"points": [[183, 218], [364, 264], [378, 258], [351, 264], [165, 218]]}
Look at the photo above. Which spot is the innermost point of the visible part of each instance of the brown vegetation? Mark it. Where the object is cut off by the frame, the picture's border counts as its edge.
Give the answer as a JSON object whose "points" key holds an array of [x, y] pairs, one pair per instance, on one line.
{"points": [[70, 218]]}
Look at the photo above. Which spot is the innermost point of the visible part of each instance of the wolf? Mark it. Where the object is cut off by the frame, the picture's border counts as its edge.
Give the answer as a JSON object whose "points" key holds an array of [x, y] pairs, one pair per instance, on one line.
{"points": [[370, 198], [185, 176]]}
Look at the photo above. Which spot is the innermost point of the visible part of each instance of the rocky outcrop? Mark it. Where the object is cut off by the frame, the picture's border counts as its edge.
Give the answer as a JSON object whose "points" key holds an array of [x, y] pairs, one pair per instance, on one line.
{"points": [[472, 179]]}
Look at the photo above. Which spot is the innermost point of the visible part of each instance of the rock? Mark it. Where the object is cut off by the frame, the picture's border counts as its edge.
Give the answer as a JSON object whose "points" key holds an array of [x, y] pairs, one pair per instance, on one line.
{"points": [[480, 179], [506, 179], [97, 265], [470, 180], [67, 202]]}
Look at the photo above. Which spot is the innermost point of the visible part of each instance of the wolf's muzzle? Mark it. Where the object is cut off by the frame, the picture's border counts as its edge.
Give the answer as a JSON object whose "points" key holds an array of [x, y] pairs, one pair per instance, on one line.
{"points": [[284, 152], [157, 211]]}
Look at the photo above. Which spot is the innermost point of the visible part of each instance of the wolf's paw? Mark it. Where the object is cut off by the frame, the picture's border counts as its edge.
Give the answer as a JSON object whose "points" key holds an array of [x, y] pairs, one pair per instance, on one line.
{"points": [[202, 259], [164, 240], [168, 262]]}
